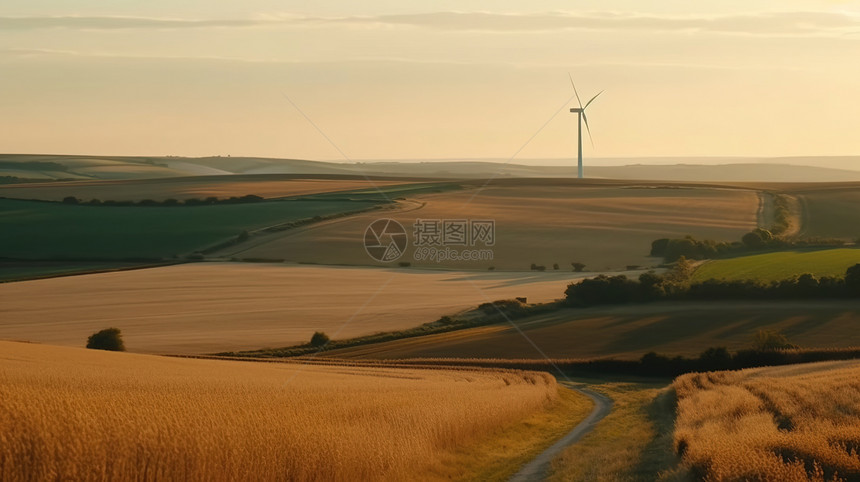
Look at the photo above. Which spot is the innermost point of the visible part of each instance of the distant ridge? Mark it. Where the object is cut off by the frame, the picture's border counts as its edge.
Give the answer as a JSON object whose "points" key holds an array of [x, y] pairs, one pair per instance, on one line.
{"points": [[47, 167]]}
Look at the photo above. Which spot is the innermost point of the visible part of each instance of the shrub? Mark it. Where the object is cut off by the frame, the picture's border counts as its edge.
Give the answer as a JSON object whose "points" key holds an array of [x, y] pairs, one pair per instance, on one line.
{"points": [[507, 307], [243, 236], [578, 267], [767, 340], [852, 279], [603, 290], [70, 200], [319, 339], [108, 339], [757, 238], [555, 266]]}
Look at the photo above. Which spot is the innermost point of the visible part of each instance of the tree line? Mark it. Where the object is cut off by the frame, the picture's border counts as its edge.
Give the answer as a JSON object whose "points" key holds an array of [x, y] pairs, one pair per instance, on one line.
{"points": [[170, 202], [675, 285]]}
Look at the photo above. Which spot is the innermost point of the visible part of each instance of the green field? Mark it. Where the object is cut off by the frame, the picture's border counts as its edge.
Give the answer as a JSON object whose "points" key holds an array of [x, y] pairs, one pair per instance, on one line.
{"points": [[781, 265], [42, 230]]}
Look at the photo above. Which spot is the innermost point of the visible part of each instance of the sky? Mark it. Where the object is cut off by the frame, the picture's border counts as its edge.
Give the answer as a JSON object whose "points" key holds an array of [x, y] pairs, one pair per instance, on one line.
{"points": [[377, 79]]}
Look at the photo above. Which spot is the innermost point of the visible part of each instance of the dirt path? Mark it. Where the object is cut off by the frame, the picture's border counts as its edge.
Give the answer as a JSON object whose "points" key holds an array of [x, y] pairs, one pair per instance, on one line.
{"points": [[538, 469]]}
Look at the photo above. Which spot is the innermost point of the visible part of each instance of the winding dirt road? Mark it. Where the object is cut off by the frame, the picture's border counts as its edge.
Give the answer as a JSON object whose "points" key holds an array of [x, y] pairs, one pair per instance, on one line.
{"points": [[538, 469]]}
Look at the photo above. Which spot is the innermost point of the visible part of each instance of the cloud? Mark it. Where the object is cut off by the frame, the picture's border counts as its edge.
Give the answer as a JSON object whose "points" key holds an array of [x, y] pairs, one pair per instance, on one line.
{"points": [[781, 23], [113, 23], [760, 24]]}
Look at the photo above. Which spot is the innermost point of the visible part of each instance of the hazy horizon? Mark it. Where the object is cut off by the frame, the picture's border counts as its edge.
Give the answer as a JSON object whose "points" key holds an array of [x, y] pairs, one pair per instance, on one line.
{"points": [[387, 80]]}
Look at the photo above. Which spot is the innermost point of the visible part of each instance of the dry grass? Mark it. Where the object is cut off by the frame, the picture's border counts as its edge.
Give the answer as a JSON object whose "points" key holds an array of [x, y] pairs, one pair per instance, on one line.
{"points": [[799, 422], [74, 414], [680, 328], [633, 442], [214, 307], [605, 227], [185, 188]]}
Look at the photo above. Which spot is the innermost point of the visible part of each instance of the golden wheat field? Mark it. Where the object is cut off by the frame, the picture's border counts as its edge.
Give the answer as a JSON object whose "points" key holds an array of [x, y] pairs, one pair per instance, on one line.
{"points": [[75, 414], [213, 307], [799, 422], [605, 227]]}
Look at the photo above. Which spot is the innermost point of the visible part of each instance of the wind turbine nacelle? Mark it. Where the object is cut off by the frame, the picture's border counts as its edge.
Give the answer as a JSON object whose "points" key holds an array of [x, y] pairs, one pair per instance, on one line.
{"points": [[576, 109]]}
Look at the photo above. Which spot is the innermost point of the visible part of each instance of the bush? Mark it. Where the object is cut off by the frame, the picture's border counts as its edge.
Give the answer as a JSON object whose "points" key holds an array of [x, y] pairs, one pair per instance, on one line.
{"points": [[243, 236], [757, 238], [319, 339], [603, 290], [555, 266], [852, 279], [506, 307], [108, 339], [766, 340], [70, 200], [578, 267]]}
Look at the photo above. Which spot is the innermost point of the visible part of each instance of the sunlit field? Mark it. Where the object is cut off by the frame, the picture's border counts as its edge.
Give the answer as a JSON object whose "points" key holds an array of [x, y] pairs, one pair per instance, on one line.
{"points": [[780, 265], [215, 307], [796, 422], [604, 227], [73, 414]]}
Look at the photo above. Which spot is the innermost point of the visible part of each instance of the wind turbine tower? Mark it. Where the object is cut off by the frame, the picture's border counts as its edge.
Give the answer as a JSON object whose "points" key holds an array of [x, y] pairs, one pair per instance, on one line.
{"points": [[580, 111]]}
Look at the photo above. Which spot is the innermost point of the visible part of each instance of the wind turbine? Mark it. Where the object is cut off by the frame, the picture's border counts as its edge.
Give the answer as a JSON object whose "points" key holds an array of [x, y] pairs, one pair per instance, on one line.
{"points": [[581, 116]]}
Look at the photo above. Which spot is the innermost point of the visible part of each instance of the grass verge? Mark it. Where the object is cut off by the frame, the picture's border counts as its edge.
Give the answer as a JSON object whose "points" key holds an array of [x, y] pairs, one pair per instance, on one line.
{"points": [[499, 456], [633, 442]]}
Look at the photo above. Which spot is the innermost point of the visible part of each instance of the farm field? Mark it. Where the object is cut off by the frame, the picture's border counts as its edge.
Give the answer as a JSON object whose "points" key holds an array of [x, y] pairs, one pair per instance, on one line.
{"points": [[796, 422], [267, 186], [118, 416], [674, 328], [780, 265], [606, 226], [40, 230], [833, 212], [17, 270], [214, 307]]}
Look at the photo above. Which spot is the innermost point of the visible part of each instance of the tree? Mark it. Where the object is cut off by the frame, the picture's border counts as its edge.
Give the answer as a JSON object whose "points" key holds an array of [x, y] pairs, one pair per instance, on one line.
{"points": [[319, 339], [555, 266], [757, 238], [108, 339], [767, 340], [70, 200], [578, 267], [852, 279]]}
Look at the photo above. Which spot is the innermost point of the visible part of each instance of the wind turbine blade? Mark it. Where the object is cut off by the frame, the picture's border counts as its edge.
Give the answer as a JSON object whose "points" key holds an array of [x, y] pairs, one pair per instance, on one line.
{"points": [[574, 90], [592, 99], [588, 129]]}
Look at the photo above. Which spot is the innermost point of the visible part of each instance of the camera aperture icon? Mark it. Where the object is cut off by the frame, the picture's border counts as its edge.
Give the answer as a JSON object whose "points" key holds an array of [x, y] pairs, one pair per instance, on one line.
{"points": [[385, 240]]}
